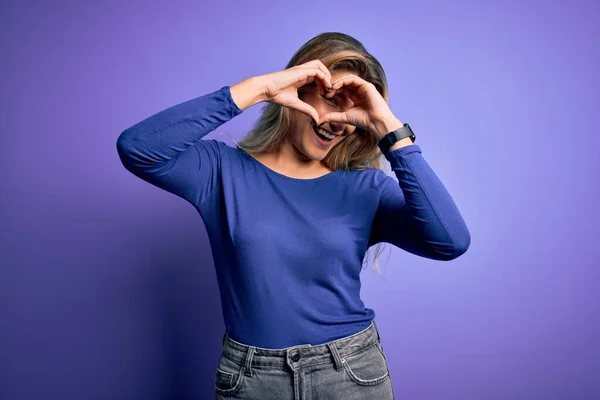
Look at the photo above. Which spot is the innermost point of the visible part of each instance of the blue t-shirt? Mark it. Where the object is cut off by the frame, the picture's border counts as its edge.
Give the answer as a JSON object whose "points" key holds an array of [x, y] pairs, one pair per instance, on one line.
{"points": [[288, 252]]}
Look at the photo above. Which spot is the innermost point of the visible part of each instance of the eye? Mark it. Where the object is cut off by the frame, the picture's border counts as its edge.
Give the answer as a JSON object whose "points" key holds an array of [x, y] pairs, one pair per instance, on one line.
{"points": [[332, 99]]}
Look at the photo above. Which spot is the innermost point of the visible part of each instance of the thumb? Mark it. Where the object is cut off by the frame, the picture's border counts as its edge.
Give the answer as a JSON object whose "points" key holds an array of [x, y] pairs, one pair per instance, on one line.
{"points": [[334, 117]]}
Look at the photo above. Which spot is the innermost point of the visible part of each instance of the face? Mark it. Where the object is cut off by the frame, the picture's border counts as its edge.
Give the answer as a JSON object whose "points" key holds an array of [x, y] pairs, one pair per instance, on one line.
{"points": [[304, 138]]}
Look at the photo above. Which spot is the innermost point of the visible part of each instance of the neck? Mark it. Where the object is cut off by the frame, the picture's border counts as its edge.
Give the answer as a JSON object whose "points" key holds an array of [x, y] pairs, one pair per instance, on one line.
{"points": [[286, 158]]}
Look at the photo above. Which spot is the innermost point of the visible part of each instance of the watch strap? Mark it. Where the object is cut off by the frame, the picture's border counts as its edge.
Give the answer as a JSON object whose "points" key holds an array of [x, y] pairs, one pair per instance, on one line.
{"points": [[394, 136]]}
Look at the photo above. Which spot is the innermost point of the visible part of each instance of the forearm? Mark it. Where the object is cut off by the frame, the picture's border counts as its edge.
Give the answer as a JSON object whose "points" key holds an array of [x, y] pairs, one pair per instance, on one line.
{"points": [[434, 213], [421, 217], [164, 135], [166, 149], [388, 125]]}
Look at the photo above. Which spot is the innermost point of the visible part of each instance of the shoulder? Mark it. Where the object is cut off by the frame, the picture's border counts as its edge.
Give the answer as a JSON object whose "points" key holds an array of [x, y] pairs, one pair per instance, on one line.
{"points": [[217, 145], [228, 154], [375, 175], [381, 181]]}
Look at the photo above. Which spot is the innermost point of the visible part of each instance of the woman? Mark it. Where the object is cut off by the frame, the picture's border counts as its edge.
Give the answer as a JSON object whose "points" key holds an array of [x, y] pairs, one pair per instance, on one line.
{"points": [[291, 211]]}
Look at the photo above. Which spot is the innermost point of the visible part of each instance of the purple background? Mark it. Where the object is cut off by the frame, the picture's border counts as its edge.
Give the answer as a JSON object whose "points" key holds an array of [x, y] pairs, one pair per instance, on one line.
{"points": [[107, 285]]}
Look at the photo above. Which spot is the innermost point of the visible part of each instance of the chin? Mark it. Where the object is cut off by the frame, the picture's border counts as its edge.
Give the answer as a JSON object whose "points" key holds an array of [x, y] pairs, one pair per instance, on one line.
{"points": [[314, 151], [310, 152]]}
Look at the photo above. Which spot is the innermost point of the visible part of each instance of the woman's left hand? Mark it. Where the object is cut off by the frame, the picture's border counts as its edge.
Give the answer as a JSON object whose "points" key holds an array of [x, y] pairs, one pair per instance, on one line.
{"points": [[370, 111]]}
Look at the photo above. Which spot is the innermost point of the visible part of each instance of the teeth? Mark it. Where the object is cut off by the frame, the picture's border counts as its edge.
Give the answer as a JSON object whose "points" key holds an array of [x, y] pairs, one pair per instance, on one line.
{"points": [[326, 134]]}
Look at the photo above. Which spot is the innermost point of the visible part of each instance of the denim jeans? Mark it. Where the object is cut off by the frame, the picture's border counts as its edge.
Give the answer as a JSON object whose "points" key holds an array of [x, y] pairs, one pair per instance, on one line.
{"points": [[351, 368]]}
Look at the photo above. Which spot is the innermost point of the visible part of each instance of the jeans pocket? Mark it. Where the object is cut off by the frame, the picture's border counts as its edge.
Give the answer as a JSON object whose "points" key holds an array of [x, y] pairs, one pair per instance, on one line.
{"points": [[229, 377], [367, 367]]}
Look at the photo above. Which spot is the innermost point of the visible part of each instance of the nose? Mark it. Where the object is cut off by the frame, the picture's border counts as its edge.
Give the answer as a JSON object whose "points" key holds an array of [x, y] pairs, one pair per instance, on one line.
{"points": [[336, 127]]}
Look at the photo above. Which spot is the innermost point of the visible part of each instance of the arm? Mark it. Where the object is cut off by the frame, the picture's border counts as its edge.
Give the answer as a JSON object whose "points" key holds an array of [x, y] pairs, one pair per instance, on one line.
{"points": [[417, 213], [166, 149]]}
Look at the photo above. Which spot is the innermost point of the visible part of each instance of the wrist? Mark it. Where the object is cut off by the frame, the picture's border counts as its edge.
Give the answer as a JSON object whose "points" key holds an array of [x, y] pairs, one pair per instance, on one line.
{"points": [[248, 92], [386, 125], [394, 135], [401, 143]]}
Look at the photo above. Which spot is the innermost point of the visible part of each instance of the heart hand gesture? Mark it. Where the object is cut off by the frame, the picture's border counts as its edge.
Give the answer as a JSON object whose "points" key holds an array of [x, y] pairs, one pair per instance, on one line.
{"points": [[281, 87], [370, 111]]}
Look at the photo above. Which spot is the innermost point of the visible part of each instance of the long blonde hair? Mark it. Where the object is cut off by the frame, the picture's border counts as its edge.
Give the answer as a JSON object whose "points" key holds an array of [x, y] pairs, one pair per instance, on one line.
{"points": [[337, 51]]}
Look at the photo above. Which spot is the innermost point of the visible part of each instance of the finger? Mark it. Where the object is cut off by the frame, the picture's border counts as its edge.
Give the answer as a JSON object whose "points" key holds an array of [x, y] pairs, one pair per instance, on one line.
{"points": [[318, 64], [346, 82], [321, 82], [314, 72], [299, 75], [349, 79], [354, 82], [327, 73], [310, 75], [346, 87]]}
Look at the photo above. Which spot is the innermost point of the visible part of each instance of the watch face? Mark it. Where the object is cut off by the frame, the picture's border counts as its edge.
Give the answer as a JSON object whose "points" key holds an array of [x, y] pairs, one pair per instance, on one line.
{"points": [[412, 134]]}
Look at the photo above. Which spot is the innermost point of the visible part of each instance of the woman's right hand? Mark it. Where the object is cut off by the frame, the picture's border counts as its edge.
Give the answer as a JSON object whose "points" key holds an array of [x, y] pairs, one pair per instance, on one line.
{"points": [[282, 87]]}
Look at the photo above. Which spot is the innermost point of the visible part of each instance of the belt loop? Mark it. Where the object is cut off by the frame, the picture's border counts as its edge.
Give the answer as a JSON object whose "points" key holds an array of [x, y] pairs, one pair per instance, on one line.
{"points": [[336, 356], [248, 362], [376, 330]]}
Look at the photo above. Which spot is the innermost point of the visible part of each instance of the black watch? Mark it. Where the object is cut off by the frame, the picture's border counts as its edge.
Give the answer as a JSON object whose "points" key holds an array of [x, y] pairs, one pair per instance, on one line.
{"points": [[388, 140]]}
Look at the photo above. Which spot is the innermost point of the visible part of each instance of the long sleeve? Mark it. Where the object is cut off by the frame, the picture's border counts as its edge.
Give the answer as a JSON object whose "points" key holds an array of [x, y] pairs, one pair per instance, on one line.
{"points": [[417, 213], [166, 149]]}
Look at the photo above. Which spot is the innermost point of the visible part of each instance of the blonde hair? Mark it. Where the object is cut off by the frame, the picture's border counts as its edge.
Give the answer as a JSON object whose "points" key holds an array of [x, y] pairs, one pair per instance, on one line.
{"points": [[337, 51]]}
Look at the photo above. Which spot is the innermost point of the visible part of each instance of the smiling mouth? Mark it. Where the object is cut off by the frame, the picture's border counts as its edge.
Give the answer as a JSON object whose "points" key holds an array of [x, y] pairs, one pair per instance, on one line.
{"points": [[320, 135]]}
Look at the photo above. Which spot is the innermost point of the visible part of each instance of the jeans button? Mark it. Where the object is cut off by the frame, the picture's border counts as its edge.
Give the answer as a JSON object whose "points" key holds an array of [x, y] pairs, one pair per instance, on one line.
{"points": [[295, 356]]}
